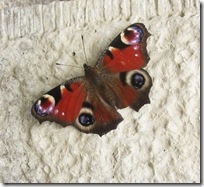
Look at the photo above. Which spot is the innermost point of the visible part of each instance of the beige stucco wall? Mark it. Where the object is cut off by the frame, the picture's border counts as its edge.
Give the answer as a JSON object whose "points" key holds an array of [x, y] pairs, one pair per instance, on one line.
{"points": [[160, 143]]}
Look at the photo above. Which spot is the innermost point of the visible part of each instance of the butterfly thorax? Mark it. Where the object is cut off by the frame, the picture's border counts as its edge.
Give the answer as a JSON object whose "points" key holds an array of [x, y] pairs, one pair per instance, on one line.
{"points": [[99, 83], [94, 76]]}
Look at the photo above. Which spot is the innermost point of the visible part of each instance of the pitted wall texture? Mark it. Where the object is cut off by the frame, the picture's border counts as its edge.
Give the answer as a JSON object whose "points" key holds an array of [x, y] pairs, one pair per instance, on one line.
{"points": [[158, 144]]}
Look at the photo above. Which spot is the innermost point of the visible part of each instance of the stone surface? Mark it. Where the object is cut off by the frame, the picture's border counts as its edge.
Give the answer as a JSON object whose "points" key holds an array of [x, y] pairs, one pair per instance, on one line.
{"points": [[159, 144]]}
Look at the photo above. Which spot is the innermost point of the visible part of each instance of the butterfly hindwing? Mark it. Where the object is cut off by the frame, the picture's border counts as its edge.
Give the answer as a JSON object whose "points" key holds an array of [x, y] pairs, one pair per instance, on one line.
{"points": [[127, 51], [134, 88], [129, 88], [97, 116]]}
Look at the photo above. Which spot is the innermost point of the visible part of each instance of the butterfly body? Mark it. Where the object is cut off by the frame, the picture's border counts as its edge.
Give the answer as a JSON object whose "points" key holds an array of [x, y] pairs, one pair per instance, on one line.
{"points": [[100, 83], [117, 80]]}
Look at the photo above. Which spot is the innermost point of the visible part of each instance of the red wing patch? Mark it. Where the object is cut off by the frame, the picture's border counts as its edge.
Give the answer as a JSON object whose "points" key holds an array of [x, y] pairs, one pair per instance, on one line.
{"points": [[70, 104], [125, 59], [61, 104], [127, 51]]}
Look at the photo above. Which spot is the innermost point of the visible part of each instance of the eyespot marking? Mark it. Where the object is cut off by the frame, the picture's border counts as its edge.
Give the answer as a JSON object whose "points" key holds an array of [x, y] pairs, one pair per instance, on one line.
{"points": [[137, 81], [45, 105], [132, 35], [86, 119]]}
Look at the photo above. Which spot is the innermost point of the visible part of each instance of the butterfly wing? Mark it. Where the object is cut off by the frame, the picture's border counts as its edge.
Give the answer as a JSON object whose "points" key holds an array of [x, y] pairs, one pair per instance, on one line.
{"points": [[97, 116], [61, 104], [76, 103], [122, 63], [127, 51], [131, 88]]}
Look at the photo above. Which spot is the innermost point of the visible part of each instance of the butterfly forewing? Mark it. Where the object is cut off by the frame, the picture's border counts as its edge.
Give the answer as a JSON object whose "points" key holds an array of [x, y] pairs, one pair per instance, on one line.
{"points": [[127, 51]]}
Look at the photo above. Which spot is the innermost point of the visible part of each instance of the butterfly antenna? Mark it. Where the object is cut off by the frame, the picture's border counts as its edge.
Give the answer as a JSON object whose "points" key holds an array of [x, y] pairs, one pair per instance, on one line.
{"points": [[82, 38], [58, 64]]}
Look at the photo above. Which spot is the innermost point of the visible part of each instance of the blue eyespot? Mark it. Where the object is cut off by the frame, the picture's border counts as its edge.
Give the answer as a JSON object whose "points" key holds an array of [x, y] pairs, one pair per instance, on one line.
{"points": [[86, 119], [45, 105], [137, 81]]}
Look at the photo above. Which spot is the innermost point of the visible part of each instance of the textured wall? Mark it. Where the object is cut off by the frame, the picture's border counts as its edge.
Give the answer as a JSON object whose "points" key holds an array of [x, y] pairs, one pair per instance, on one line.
{"points": [[160, 143]]}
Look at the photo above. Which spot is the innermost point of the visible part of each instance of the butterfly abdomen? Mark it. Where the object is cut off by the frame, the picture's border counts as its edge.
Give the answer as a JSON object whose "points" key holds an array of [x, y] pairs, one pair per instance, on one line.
{"points": [[99, 84]]}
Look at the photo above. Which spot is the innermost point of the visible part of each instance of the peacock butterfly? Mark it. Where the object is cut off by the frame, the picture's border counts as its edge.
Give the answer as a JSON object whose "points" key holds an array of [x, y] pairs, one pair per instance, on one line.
{"points": [[117, 80]]}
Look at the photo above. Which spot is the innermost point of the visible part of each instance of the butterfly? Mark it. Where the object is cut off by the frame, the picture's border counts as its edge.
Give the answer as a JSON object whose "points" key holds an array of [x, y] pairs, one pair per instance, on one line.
{"points": [[117, 80]]}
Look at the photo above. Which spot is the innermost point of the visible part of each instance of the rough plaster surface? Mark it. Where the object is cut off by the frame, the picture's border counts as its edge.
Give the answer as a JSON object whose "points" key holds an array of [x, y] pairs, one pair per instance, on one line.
{"points": [[160, 143]]}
